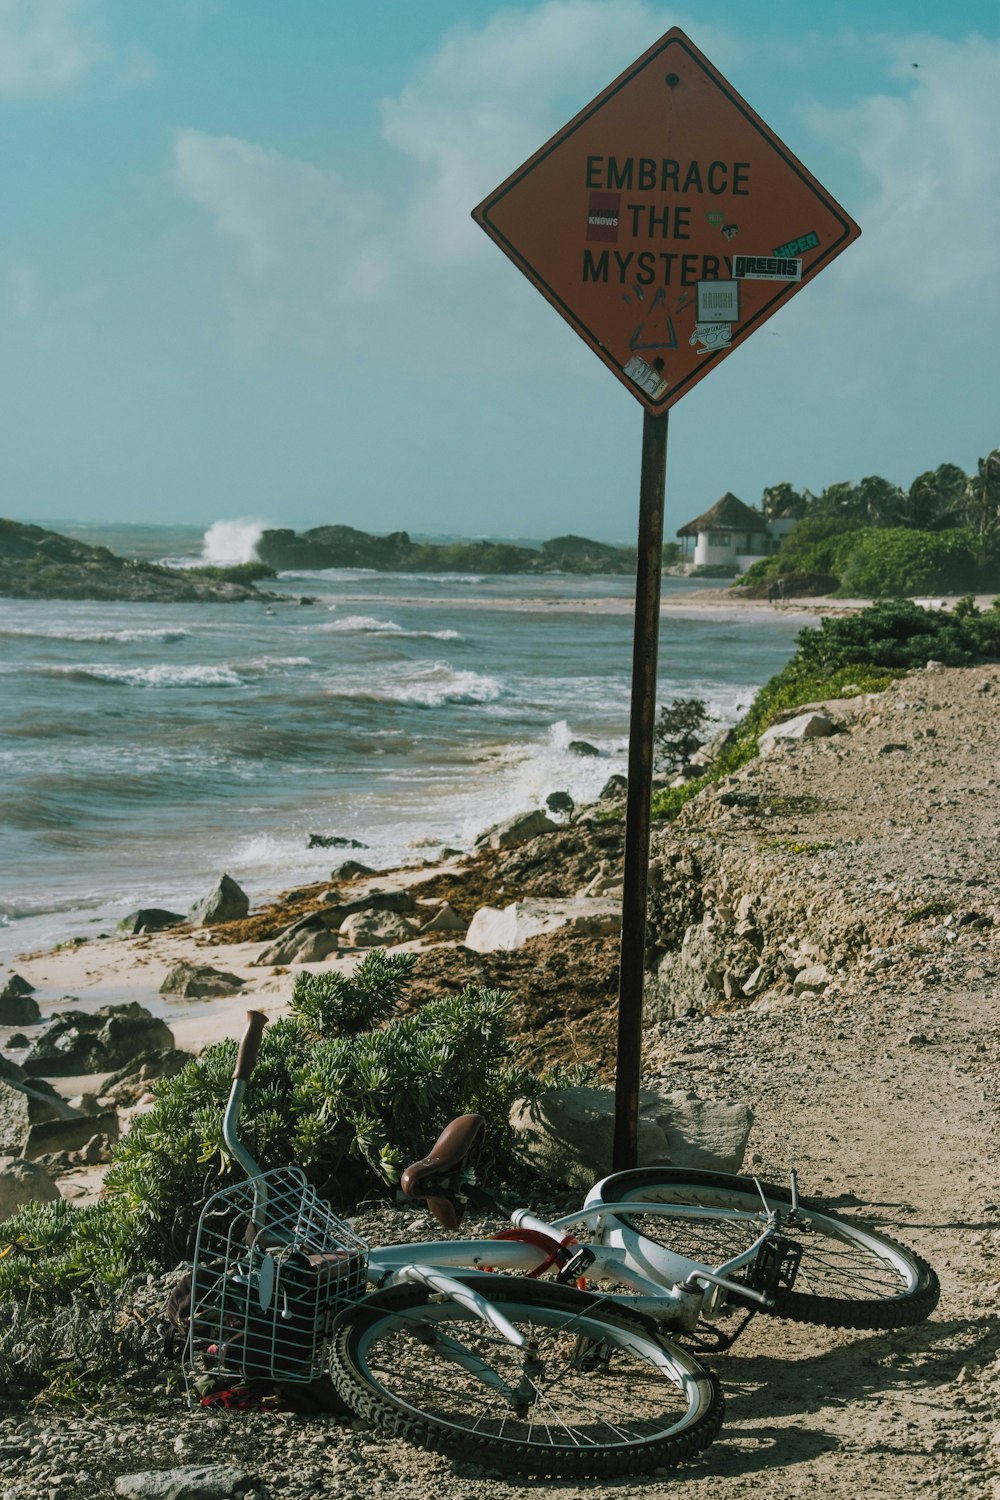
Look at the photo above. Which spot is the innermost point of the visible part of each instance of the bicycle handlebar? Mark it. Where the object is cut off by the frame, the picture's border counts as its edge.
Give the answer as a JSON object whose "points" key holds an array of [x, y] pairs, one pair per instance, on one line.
{"points": [[246, 1057]]}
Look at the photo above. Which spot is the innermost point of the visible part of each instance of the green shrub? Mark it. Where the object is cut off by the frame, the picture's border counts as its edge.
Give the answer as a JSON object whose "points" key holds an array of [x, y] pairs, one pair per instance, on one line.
{"points": [[343, 1088], [899, 635], [897, 562]]}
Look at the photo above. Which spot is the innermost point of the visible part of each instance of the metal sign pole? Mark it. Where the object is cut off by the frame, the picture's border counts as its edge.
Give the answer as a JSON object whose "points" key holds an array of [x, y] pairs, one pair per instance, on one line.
{"points": [[645, 642]]}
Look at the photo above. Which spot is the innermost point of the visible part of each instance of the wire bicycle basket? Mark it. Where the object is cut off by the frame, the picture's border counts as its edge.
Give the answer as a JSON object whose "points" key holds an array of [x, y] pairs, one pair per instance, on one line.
{"points": [[272, 1268]]}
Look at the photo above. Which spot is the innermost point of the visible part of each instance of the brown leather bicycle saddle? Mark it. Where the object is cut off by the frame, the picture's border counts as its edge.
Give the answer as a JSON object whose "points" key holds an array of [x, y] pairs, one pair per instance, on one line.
{"points": [[455, 1148]]}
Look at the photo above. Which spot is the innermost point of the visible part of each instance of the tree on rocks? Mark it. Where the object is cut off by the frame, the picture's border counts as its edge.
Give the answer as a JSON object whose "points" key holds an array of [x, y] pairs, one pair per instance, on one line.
{"points": [[679, 732]]}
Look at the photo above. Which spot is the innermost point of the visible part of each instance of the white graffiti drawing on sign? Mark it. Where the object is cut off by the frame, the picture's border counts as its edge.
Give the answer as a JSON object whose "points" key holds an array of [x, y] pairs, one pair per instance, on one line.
{"points": [[711, 336]]}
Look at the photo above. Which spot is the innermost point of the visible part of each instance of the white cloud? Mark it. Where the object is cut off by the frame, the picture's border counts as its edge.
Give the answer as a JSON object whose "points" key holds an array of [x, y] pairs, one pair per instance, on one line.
{"points": [[307, 245], [47, 46], [490, 96], [314, 253], [932, 226]]}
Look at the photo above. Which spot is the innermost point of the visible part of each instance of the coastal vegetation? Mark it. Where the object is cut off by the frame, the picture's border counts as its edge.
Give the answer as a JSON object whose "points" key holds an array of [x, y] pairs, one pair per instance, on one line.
{"points": [[875, 540], [843, 658], [346, 1086]]}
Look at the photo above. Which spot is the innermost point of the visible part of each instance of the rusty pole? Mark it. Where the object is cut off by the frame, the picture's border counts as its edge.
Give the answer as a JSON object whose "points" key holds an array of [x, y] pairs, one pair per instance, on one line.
{"points": [[645, 641]]}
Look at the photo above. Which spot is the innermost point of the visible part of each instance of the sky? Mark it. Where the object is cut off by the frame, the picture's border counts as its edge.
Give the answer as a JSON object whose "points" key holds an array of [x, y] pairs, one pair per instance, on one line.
{"points": [[239, 279]]}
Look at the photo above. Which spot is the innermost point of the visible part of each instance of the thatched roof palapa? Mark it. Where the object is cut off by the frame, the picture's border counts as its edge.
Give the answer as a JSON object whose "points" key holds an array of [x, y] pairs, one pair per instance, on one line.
{"points": [[727, 514]]}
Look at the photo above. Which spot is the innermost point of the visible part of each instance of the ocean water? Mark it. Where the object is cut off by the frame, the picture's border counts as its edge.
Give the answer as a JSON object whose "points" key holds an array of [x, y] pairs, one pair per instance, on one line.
{"points": [[145, 749]]}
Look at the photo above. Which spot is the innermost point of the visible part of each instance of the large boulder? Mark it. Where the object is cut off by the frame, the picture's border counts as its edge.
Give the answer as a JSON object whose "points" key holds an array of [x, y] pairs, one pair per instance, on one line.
{"points": [[23, 1105], [96, 1042], [125, 1086], [299, 945], [226, 903], [19, 1010], [149, 919], [494, 930], [17, 985], [23, 1182], [377, 929], [35, 1120], [809, 726], [516, 830], [567, 1134], [199, 982]]}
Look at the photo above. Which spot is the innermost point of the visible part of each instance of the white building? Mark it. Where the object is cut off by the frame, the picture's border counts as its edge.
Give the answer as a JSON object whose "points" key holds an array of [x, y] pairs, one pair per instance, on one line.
{"points": [[732, 535]]}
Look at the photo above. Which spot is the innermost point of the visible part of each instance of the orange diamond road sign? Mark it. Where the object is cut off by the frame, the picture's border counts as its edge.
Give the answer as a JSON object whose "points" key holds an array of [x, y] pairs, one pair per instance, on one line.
{"points": [[666, 222]]}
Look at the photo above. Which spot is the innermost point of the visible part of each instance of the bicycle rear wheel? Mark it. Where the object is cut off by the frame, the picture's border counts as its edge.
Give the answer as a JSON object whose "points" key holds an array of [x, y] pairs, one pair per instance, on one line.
{"points": [[607, 1395], [849, 1276]]}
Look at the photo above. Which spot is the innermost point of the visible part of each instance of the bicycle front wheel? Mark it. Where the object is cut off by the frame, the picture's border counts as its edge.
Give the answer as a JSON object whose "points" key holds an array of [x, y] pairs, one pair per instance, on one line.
{"points": [[849, 1276], [600, 1393]]}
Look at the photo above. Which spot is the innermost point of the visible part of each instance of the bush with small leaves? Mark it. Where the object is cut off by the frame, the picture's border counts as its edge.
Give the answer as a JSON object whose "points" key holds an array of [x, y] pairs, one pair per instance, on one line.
{"points": [[346, 1087]]}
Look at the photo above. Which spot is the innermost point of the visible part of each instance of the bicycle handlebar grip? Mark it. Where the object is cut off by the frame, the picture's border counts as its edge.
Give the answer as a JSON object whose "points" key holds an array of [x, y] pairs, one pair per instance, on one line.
{"points": [[246, 1057]]}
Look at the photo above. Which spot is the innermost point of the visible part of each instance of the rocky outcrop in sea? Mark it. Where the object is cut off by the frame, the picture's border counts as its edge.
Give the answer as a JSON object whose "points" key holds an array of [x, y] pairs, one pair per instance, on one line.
{"points": [[40, 564], [346, 547]]}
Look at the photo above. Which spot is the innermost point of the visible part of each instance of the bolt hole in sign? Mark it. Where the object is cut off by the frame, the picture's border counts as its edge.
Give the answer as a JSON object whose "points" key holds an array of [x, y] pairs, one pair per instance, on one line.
{"points": [[666, 222]]}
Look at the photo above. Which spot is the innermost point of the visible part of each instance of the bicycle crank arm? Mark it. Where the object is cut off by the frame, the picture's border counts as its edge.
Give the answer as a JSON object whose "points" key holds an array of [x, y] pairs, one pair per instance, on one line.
{"points": [[739, 1288]]}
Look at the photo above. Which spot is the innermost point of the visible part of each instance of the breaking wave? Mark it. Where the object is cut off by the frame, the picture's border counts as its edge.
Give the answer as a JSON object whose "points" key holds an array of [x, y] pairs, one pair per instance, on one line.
{"points": [[368, 625], [227, 543], [427, 684], [100, 637]]}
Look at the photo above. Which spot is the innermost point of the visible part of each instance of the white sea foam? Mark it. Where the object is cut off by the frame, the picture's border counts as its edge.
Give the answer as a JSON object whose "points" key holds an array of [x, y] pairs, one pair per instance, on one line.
{"points": [[159, 676], [101, 637], [368, 625], [329, 575], [426, 683], [460, 580]]}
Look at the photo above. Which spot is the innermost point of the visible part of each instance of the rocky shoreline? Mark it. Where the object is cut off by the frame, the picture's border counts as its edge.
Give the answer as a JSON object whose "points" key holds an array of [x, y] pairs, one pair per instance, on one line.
{"points": [[824, 948], [40, 564]]}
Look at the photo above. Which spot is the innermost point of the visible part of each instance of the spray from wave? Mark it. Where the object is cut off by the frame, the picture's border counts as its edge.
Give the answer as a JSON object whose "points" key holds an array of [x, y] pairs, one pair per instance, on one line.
{"points": [[227, 543]]}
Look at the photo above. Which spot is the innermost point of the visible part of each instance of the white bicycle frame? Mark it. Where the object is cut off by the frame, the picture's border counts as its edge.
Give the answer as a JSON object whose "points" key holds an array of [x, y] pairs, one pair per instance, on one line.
{"points": [[671, 1288]]}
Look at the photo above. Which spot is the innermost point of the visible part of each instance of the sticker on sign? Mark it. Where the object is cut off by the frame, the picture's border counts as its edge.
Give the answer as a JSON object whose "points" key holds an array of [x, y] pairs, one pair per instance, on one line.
{"points": [[767, 268], [718, 302], [646, 378]]}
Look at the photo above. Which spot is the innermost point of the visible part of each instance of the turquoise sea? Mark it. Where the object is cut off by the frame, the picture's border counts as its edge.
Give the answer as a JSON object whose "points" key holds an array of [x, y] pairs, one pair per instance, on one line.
{"points": [[145, 749]]}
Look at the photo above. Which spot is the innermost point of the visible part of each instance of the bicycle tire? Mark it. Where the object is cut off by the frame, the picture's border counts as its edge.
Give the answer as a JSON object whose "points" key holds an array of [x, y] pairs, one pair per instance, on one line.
{"points": [[849, 1276], [649, 1405]]}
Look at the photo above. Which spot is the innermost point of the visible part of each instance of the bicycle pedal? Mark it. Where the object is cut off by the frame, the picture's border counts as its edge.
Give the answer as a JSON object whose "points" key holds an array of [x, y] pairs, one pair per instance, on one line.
{"points": [[776, 1266]]}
